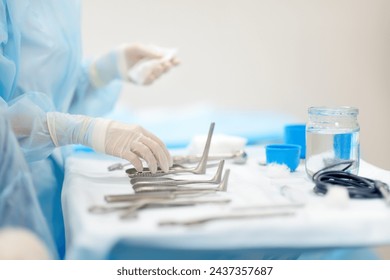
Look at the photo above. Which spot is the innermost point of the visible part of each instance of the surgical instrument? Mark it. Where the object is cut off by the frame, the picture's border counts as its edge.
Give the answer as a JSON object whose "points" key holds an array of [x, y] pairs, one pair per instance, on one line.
{"points": [[166, 195], [102, 209], [199, 169], [177, 188], [228, 216], [138, 196], [131, 212], [131, 209], [238, 157], [162, 181]]}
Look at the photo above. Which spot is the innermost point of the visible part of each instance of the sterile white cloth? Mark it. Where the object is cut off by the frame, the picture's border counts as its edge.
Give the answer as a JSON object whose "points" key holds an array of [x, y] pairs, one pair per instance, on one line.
{"points": [[322, 222]]}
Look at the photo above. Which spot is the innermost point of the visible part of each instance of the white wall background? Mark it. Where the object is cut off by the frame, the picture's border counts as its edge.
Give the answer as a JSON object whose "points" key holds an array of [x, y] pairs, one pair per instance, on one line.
{"points": [[283, 55]]}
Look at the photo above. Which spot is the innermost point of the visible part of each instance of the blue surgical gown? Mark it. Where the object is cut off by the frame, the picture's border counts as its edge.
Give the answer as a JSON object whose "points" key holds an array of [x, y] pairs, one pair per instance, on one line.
{"points": [[41, 70], [19, 205]]}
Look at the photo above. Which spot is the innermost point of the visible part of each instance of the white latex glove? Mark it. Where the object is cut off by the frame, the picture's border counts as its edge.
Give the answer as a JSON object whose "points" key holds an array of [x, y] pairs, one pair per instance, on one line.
{"points": [[131, 142], [135, 63]]}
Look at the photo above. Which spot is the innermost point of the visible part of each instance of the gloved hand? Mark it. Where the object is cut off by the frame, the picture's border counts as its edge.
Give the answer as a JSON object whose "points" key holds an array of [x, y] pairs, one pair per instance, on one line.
{"points": [[131, 142], [135, 63]]}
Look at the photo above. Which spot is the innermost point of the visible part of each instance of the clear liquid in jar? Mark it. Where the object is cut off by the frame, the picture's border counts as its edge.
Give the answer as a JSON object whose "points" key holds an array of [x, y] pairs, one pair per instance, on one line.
{"points": [[330, 147]]}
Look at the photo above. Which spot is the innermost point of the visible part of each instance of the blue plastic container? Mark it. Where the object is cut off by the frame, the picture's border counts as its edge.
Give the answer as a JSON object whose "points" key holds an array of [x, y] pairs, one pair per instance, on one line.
{"points": [[296, 134], [287, 154]]}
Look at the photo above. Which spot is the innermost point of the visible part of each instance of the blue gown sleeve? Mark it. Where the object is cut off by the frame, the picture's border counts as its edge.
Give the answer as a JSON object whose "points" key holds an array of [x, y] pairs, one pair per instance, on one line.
{"points": [[26, 109], [8, 49], [92, 101], [19, 205], [27, 113]]}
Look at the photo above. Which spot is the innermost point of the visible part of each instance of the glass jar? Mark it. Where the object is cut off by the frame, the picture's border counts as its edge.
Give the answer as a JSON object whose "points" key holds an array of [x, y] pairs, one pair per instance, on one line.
{"points": [[332, 136]]}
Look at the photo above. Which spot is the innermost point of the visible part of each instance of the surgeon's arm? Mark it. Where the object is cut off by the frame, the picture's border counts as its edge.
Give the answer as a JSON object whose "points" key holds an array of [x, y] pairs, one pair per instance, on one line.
{"points": [[19, 206], [100, 79], [130, 142], [134, 63], [27, 116]]}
